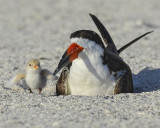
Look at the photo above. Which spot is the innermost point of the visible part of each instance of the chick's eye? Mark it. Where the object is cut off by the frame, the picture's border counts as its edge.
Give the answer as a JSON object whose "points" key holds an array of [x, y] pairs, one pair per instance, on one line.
{"points": [[30, 65]]}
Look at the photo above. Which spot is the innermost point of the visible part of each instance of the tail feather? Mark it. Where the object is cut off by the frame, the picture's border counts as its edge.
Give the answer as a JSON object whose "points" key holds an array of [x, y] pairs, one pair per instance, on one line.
{"points": [[133, 41]]}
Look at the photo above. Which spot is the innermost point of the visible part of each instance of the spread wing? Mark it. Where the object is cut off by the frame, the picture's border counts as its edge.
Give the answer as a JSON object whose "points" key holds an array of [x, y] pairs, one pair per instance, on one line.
{"points": [[105, 34], [108, 40], [131, 42], [16, 79]]}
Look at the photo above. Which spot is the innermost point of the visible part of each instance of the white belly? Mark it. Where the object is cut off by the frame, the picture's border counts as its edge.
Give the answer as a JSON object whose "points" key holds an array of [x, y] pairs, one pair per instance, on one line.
{"points": [[34, 81], [87, 79]]}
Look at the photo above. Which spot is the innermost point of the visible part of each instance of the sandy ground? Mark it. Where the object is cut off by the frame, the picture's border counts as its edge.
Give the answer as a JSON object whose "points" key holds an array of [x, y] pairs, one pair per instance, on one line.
{"points": [[41, 28]]}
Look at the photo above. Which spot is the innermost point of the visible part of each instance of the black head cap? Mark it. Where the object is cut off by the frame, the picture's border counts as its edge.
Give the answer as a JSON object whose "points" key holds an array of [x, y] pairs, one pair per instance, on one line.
{"points": [[88, 34]]}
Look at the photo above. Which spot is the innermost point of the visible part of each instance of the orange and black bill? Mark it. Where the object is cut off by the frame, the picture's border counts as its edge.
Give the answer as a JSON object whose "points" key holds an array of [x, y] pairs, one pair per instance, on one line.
{"points": [[70, 54]]}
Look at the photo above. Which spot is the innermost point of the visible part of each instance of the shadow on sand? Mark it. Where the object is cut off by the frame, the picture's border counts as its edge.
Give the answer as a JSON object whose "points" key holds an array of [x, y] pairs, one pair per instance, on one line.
{"points": [[146, 80]]}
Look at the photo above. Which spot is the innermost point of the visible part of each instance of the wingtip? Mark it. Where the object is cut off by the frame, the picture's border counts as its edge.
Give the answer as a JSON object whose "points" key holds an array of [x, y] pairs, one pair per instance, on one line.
{"points": [[133, 41], [151, 31], [148, 32], [91, 15]]}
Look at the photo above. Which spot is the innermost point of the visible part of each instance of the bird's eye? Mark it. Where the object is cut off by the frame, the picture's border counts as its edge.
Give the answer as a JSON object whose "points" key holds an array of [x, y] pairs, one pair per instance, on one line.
{"points": [[30, 65]]}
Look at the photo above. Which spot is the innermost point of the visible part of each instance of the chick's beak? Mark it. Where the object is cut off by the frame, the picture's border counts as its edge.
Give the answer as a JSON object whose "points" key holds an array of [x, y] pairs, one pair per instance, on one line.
{"points": [[70, 54], [36, 67]]}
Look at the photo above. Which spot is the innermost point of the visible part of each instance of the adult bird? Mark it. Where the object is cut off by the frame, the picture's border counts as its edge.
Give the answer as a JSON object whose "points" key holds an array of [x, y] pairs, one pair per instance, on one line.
{"points": [[90, 68]]}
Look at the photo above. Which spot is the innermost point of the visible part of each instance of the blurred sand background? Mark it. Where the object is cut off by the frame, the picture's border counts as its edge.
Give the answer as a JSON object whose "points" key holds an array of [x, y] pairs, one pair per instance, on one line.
{"points": [[41, 28]]}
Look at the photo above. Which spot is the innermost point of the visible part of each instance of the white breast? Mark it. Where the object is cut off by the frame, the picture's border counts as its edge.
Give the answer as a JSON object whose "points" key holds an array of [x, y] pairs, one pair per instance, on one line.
{"points": [[88, 76], [34, 81]]}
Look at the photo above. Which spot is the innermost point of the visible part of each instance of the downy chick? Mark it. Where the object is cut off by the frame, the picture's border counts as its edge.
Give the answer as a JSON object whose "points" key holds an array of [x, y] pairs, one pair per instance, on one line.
{"points": [[35, 77]]}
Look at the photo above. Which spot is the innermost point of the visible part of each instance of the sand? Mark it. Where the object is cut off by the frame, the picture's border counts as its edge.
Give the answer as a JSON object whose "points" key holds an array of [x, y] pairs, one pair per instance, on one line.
{"points": [[41, 28]]}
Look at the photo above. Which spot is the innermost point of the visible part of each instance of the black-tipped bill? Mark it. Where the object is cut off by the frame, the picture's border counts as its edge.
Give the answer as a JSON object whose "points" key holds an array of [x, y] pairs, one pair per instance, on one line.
{"points": [[70, 54], [63, 62]]}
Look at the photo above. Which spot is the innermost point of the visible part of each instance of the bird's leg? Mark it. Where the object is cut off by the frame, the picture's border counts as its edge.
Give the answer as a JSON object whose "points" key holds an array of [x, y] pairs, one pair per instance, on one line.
{"points": [[30, 91], [40, 90]]}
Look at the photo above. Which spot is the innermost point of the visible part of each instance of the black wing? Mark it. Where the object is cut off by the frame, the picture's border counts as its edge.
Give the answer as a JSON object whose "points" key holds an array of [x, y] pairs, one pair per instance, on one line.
{"points": [[105, 34], [121, 72], [133, 41]]}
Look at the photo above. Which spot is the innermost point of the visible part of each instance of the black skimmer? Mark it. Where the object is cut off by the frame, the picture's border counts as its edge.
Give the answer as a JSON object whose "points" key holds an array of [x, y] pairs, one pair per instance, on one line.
{"points": [[90, 68]]}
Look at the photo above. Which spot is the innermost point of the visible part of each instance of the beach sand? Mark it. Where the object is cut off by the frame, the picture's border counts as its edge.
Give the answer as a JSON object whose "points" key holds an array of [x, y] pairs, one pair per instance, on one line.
{"points": [[41, 28]]}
